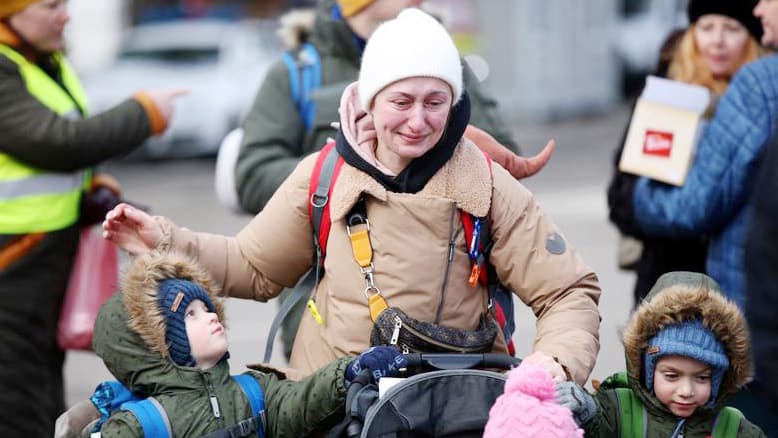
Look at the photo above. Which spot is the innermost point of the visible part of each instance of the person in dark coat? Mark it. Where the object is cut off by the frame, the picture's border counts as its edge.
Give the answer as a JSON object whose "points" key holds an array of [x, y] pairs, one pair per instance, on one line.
{"points": [[49, 145], [762, 285]]}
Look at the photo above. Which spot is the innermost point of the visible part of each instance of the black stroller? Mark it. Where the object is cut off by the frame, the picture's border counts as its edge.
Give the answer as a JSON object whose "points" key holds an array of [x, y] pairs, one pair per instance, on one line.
{"points": [[446, 396]]}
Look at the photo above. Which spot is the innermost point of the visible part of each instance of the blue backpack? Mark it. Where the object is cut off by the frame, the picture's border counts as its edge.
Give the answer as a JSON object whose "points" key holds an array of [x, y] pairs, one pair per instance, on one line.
{"points": [[111, 396], [304, 70]]}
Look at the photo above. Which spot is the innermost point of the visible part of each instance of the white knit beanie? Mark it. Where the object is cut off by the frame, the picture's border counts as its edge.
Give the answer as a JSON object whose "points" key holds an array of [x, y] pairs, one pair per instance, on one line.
{"points": [[413, 44]]}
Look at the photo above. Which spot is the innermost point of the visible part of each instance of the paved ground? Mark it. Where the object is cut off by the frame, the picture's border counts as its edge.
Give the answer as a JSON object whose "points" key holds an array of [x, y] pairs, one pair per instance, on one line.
{"points": [[571, 189]]}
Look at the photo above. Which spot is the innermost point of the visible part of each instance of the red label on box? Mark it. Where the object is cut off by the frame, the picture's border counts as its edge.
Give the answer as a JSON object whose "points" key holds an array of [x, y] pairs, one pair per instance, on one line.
{"points": [[658, 143]]}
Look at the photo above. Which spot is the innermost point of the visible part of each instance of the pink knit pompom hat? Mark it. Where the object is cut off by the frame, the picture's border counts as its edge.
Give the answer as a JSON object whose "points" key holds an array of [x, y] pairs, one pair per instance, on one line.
{"points": [[528, 408]]}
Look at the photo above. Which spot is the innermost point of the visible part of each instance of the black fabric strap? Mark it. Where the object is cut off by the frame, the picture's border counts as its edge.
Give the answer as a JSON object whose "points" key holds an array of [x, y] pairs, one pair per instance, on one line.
{"points": [[320, 197], [309, 283], [298, 293], [246, 428]]}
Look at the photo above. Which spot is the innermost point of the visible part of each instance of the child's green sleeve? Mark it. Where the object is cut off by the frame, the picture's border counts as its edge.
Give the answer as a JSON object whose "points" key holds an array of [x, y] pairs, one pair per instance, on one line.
{"points": [[316, 403]]}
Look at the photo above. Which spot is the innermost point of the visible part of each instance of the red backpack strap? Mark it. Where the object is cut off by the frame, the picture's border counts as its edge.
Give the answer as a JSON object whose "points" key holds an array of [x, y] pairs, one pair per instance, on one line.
{"points": [[483, 271], [325, 173], [477, 239]]}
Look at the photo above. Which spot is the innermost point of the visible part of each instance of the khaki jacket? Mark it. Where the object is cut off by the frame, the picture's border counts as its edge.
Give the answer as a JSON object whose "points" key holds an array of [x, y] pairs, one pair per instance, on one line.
{"points": [[410, 236]]}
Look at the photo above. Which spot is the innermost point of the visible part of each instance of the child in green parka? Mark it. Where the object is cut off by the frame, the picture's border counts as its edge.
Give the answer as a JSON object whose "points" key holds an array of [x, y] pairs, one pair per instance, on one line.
{"points": [[687, 349], [163, 336]]}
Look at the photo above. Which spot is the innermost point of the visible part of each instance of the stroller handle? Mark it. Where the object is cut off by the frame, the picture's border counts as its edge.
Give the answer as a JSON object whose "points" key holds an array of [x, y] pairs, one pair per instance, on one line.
{"points": [[455, 361]]}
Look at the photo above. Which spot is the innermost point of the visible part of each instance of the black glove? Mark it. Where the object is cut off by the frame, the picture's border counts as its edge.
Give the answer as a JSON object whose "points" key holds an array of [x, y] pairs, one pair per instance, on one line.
{"points": [[575, 398], [382, 361]]}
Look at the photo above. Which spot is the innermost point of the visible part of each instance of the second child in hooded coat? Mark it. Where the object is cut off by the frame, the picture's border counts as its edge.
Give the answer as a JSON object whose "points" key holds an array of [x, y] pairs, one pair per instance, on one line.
{"points": [[688, 351]]}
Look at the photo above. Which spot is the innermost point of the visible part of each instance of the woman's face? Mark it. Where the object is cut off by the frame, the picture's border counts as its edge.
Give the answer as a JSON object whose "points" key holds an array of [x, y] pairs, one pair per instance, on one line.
{"points": [[410, 116], [42, 24], [722, 42]]}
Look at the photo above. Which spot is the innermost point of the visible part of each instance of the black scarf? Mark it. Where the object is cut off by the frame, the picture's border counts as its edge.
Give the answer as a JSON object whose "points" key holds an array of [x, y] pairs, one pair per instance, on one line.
{"points": [[415, 176]]}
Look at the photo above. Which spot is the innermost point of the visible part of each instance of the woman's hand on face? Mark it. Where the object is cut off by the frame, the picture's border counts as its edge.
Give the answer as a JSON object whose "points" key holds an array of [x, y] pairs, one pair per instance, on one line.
{"points": [[132, 230], [518, 166], [549, 363]]}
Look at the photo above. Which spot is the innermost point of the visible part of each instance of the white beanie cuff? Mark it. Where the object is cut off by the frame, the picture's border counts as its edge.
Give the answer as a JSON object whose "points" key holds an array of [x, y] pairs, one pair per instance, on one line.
{"points": [[412, 45]]}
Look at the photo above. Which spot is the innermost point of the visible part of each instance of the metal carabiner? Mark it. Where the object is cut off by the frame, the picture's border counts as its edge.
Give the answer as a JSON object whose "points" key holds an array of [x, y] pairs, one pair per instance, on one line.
{"points": [[371, 288]]}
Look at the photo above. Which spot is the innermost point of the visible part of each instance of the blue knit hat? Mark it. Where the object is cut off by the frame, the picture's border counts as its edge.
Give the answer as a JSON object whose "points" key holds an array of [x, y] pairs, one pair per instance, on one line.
{"points": [[174, 295], [691, 339]]}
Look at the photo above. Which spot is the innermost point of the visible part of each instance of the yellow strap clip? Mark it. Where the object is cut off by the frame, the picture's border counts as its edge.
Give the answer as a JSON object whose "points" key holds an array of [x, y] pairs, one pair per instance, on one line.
{"points": [[377, 304], [360, 246], [314, 311]]}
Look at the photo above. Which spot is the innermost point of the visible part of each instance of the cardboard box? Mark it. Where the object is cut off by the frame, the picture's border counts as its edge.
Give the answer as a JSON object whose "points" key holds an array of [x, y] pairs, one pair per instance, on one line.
{"points": [[664, 130]]}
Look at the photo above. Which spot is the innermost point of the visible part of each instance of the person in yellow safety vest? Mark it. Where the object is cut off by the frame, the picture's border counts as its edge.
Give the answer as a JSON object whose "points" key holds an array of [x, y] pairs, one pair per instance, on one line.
{"points": [[48, 144]]}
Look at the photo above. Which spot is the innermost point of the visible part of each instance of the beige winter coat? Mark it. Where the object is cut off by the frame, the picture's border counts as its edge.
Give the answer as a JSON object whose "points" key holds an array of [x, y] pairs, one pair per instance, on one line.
{"points": [[410, 236]]}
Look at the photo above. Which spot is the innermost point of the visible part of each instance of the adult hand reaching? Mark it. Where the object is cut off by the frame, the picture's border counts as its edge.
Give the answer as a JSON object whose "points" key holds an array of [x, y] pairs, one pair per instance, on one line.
{"points": [[518, 166], [549, 363], [132, 230], [163, 99]]}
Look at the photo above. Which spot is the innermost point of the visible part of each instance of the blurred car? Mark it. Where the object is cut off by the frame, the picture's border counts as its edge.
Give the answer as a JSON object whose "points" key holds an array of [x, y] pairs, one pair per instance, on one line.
{"points": [[220, 63]]}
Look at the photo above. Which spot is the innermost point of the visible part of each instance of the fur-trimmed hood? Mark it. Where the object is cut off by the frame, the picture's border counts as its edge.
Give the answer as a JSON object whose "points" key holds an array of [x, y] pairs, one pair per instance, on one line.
{"points": [[296, 27], [139, 294], [129, 332], [683, 296]]}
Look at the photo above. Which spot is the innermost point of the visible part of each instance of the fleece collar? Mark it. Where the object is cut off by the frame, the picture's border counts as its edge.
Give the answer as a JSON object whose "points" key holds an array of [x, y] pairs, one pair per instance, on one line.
{"points": [[465, 179]]}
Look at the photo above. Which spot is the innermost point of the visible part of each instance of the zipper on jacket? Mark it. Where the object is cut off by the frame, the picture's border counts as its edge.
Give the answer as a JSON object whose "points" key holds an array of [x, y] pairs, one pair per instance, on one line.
{"points": [[215, 408], [451, 245]]}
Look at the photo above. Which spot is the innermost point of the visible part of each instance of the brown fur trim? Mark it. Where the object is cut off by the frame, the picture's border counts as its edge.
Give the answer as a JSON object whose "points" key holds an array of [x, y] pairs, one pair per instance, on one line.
{"points": [[464, 179], [139, 293], [296, 27], [681, 302]]}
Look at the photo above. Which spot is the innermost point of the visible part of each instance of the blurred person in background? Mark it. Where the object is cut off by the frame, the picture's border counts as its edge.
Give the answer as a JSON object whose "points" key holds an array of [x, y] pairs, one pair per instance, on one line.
{"points": [[48, 143], [761, 260], [718, 199], [276, 139], [762, 285], [723, 36]]}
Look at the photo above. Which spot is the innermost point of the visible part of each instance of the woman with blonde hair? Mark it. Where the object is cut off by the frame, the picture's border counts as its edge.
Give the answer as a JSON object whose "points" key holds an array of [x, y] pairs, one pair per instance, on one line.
{"points": [[722, 37]]}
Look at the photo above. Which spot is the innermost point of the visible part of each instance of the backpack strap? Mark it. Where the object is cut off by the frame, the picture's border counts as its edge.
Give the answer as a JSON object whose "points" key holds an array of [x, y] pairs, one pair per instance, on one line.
{"points": [[325, 172], [727, 423], [632, 414], [152, 417], [304, 77], [253, 392], [478, 238], [108, 397]]}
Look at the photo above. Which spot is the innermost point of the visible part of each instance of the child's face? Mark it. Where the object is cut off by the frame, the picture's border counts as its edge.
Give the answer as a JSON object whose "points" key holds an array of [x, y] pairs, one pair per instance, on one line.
{"points": [[207, 338], [682, 384]]}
